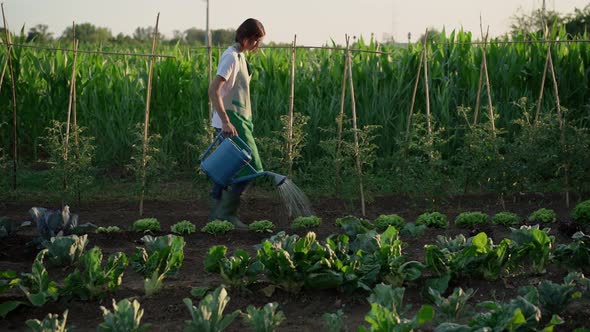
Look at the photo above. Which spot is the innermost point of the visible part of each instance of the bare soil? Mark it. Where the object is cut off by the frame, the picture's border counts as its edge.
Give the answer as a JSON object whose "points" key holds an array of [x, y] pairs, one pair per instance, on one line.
{"points": [[303, 311]]}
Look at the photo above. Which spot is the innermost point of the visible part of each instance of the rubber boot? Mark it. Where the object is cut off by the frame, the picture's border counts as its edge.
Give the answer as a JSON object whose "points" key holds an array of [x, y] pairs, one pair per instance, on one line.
{"points": [[228, 209], [214, 206]]}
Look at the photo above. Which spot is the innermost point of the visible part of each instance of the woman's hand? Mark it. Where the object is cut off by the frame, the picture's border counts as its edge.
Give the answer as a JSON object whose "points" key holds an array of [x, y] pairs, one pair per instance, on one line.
{"points": [[228, 129]]}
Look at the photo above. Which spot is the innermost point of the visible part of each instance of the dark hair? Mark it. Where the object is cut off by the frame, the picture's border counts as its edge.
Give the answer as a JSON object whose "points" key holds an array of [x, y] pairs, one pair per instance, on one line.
{"points": [[250, 29]]}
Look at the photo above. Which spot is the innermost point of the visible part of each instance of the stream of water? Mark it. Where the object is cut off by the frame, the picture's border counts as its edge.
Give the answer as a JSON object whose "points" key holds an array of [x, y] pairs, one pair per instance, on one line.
{"points": [[294, 199]]}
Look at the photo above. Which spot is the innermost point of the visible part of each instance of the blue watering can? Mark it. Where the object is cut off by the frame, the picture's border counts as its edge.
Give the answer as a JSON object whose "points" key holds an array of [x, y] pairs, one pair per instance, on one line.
{"points": [[228, 158]]}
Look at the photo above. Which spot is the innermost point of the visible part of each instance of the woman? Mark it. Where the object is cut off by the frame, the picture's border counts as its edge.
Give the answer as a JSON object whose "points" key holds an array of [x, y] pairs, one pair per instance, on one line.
{"points": [[229, 93]]}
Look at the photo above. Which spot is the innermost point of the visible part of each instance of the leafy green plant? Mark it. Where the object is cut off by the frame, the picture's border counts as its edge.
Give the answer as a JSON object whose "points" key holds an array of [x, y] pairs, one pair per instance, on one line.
{"points": [[531, 244], [183, 227], [471, 219], [239, 270], [108, 230], [506, 219], [433, 219], [36, 285], [386, 220], [65, 250], [353, 226], [51, 323], [452, 307], [8, 280], [146, 225], [7, 227], [552, 298], [574, 255], [125, 317], [262, 226], [306, 222], [93, 280], [216, 227], [208, 316], [543, 215], [581, 213], [266, 319], [334, 322], [413, 230], [161, 257]]}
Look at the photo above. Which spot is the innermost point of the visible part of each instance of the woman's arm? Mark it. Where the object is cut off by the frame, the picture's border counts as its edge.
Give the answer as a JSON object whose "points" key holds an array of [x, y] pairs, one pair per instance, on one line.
{"points": [[227, 128]]}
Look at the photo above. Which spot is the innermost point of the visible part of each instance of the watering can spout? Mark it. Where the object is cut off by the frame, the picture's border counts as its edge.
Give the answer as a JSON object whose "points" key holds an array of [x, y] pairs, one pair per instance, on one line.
{"points": [[277, 178]]}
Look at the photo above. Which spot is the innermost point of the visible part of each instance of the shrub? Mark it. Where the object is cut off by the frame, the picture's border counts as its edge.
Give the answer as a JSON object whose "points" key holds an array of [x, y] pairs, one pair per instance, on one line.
{"points": [[183, 227], [109, 229], [261, 226], [506, 219], [543, 215], [306, 222], [385, 220], [433, 219], [218, 227], [147, 224], [581, 212], [470, 219]]}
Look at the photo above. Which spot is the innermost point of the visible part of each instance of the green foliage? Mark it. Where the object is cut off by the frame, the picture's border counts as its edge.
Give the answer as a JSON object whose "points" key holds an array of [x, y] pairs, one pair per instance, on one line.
{"points": [[146, 225], [306, 222], [7, 227], [574, 255], [386, 220], [471, 219], [216, 227], [334, 322], [109, 229], [262, 226], [92, 280], [161, 257], [183, 227], [543, 215], [453, 307], [266, 319], [51, 323], [208, 316], [413, 230], [239, 270], [531, 244], [36, 285], [8, 280], [65, 250], [506, 219], [433, 219], [70, 155], [125, 317], [581, 213]]}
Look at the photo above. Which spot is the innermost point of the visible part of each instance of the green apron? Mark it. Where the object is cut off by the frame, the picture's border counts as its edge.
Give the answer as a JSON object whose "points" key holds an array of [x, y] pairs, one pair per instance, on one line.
{"points": [[239, 110]]}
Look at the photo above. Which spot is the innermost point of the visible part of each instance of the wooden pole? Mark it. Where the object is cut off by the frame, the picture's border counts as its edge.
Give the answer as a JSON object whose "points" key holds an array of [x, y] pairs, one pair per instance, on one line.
{"points": [[540, 100], [340, 118], [411, 112], [291, 108], [356, 135], [489, 89], [8, 43], [426, 89], [481, 70], [70, 102], [210, 72], [147, 116]]}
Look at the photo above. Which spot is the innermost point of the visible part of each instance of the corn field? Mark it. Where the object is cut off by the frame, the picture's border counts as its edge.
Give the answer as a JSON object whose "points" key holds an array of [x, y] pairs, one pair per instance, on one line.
{"points": [[111, 91]]}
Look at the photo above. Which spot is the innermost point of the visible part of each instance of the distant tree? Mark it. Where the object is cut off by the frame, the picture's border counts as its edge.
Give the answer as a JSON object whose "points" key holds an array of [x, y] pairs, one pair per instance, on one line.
{"points": [[535, 22], [433, 35], [39, 34], [194, 36], [578, 23], [223, 37], [88, 33]]}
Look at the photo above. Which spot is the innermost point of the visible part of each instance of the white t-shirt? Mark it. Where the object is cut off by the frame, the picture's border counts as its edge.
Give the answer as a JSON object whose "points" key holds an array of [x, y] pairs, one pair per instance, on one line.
{"points": [[228, 65]]}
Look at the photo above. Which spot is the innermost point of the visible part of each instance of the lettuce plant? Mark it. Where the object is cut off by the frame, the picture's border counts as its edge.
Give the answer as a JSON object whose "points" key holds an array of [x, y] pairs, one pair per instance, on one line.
{"points": [[453, 307], [581, 213], [306, 222], [543, 215], [108, 230], [262, 226], [413, 230], [574, 255], [266, 319], [216, 227], [146, 225], [125, 317], [36, 285], [506, 219], [161, 257], [208, 316], [471, 219], [93, 280], [51, 323], [183, 227], [239, 270], [65, 250], [386, 220], [334, 322], [433, 219], [531, 244]]}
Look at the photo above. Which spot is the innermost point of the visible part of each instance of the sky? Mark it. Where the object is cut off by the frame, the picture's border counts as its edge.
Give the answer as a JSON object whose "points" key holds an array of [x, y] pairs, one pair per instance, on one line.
{"points": [[315, 22]]}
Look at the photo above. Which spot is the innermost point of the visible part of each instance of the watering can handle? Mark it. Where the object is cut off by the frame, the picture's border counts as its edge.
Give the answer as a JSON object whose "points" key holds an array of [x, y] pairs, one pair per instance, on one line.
{"points": [[220, 137]]}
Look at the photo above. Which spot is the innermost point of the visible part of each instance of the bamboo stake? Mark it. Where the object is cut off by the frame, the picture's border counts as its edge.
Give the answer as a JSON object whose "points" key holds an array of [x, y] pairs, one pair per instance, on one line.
{"points": [[340, 118], [3, 73], [356, 135], [489, 90], [147, 116], [210, 77], [540, 100], [411, 112], [291, 108], [70, 102], [426, 89], [8, 44], [481, 69]]}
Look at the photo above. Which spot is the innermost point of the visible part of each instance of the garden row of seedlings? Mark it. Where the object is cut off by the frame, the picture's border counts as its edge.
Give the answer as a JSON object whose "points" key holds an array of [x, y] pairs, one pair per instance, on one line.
{"points": [[366, 257]]}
